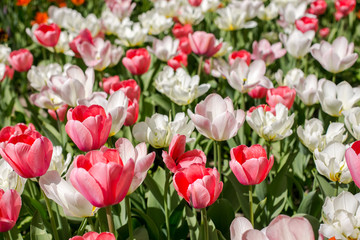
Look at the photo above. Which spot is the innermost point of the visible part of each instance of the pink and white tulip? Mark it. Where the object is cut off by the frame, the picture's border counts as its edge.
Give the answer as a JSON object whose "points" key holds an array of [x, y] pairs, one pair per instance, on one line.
{"points": [[265, 51]]}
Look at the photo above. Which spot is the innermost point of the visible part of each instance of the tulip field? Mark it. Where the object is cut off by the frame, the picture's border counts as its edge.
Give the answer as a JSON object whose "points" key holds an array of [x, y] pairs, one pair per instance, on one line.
{"points": [[179, 119]]}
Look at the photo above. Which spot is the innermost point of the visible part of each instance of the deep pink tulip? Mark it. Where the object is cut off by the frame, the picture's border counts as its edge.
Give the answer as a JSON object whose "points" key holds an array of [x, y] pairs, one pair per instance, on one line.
{"points": [[95, 236], [102, 177], [61, 112], [344, 8], [27, 151], [21, 60], [108, 82], [178, 61], [177, 158], [242, 54], [132, 112], [84, 36], [129, 87], [195, 3], [250, 164], [9, 72], [88, 127], [180, 31], [198, 185], [203, 43], [10, 205], [137, 61], [184, 45], [48, 35], [318, 7], [305, 24], [265, 51], [283, 94], [324, 32], [258, 92], [352, 156]]}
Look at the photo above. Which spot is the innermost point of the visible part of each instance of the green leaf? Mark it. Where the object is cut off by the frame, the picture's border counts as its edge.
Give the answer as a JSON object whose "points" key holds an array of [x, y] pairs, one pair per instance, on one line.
{"points": [[222, 214], [150, 225], [306, 203], [38, 230], [141, 233], [242, 194], [154, 189], [192, 223], [326, 188], [159, 100]]}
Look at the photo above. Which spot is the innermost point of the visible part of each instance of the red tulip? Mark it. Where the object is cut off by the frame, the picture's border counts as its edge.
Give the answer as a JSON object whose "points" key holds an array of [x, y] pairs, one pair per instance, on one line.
{"points": [[178, 61], [137, 61], [88, 127], [305, 24], [258, 92], [324, 32], [283, 94], [9, 72], [48, 35], [10, 205], [61, 111], [352, 156], [198, 185], [180, 31], [132, 112], [129, 87], [184, 45], [242, 54], [203, 43], [250, 164], [177, 158], [318, 7], [107, 83], [84, 36], [101, 176], [21, 60], [27, 151], [95, 236], [344, 8], [195, 3]]}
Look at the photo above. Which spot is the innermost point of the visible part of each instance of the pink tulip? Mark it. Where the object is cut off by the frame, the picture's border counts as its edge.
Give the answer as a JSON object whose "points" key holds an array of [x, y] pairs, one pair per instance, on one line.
{"points": [[108, 82], [324, 32], [88, 127], [258, 92], [95, 236], [195, 3], [84, 36], [9, 72], [305, 24], [353, 161], [61, 111], [203, 43], [283, 94], [180, 31], [129, 87], [318, 7], [242, 54], [137, 61], [102, 177], [344, 8], [10, 205], [177, 158], [198, 185], [21, 60], [48, 35], [27, 151], [178, 61], [265, 51], [132, 112], [96, 55], [143, 160], [184, 46], [250, 164]]}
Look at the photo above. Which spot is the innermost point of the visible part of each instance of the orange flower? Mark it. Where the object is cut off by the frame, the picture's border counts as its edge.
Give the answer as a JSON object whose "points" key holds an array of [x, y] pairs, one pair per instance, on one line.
{"points": [[40, 17], [22, 2], [78, 2]]}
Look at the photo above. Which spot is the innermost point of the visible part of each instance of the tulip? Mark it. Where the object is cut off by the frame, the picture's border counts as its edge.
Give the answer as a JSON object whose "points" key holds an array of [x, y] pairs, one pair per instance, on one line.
{"points": [[216, 119], [6, 71], [344, 8], [121, 8], [311, 134], [340, 215], [231, 19], [291, 79], [84, 36], [198, 185], [180, 31], [352, 122], [318, 7], [284, 95], [250, 7], [164, 49], [9, 179], [132, 36], [138, 154], [195, 3], [88, 127], [39, 76], [21, 60], [102, 177], [95, 235], [63, 193], [184, 45], [203, 43], [155, 22], [353, 161], [179, 86], [177, 158], [4, 53], [224, 50], [48, 35], [298, 43], [61, 113], [178, 61], [132, 112], [335, 57], [258, 92], [46, 98], [242, 54], [137, 61], [306, 90], [238, 227], [10, 205], [324, 32], [27, 151], [96, 55], [263, 50], [305, 24], [108, 82]]}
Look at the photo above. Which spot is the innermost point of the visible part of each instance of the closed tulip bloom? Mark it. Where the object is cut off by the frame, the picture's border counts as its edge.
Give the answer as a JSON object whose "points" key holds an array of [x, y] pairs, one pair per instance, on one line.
{"points": [[88, 127], [180, 31], [352, 156], [335, 57], [164, 49], [84, 36], [21, 60], [242, 54], [198, 185], [203, 43], [177, 158], [324, 32], [306, 90], [102, 177], [305, 24], [311, 134], [10, 205], [297, 44], [263, 50], [63, 193], [132, 112], [95, 235], [352, 122], [137, 61], [317, 7], [178, 61], [48, 35], [215, 118], [142, 159], [250, 164], [27, 151], [344, 8], [284, 95]]}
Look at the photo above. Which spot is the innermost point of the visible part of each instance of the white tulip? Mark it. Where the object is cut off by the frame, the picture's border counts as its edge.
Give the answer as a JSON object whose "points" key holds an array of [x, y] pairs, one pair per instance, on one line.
{"points": [[164, 49], [230, 19], [46, 98], [154, 22], [131, 36], [306, 90], [250, 7], [9, 179], [311, 134], [58, 162], [297, 44], [190, 15], [291, 79], [40, 75], [4, 53], [352, 122], [269, 12]]}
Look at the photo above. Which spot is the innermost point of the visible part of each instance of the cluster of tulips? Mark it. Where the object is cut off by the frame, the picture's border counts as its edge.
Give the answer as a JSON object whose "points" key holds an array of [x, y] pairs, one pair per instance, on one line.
{"points": [[210, 127]]}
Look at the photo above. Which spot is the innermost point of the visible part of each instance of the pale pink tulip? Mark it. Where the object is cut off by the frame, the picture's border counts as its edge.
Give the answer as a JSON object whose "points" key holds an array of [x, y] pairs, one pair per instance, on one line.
{"points": [[353, 161], [10, 205], [203, 43], [97, 55], [265, 51]]}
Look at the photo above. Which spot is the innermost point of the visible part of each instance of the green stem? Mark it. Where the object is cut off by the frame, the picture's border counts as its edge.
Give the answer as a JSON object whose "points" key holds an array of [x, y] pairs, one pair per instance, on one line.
{"points": [[51, 215], [218, 157], [334, 78], [60, 130], [204, 223], [110, 219], [234, 37], [173, 110], [82, 227], [128, 211], [91, 224], [8, 235], [336, 188], [268, 146], [251, 206], [166, 208], [200, 65]]}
